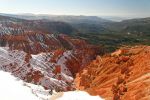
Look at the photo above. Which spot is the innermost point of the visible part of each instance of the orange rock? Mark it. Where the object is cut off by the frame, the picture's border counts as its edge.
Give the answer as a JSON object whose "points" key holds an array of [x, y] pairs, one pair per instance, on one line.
{"points": [[133, 72]]}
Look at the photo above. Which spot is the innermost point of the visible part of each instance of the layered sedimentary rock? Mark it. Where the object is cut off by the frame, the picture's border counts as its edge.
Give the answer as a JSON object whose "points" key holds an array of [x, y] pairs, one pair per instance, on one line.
{"points": [[32, 53], [122, 75]]}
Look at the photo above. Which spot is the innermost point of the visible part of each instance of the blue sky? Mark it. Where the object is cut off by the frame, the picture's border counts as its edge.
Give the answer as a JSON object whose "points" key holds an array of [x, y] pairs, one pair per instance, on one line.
{"points": [[125, 8]]}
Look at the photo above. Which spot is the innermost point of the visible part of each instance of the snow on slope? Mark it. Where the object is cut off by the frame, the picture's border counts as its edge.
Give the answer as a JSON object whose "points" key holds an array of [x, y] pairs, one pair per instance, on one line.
{"points": [[74, 95], [14, 61], [11, 89]]}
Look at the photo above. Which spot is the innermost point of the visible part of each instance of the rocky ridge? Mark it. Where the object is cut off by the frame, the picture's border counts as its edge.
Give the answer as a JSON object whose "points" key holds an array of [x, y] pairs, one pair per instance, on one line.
{"points": [[122, 75]]}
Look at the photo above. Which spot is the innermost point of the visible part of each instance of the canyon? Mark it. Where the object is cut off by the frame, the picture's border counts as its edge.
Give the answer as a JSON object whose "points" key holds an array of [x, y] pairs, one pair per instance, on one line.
{"points": [[41, 53]]}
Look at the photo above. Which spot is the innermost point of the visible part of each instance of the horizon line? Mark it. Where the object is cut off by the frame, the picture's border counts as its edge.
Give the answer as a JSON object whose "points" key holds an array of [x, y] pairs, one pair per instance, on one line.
{"points": [[38, 14]]}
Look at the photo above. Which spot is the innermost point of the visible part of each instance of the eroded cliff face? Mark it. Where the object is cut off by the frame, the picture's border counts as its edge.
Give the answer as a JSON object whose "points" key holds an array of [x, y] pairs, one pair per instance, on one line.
{"points": [[44, 59], [122, 75]]}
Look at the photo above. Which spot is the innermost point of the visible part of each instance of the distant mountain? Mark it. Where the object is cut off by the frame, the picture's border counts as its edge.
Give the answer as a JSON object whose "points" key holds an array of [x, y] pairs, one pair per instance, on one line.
{"points": [[82, 24], [93, 24], [62, 18], [131, 25], [115, 18], [91, 28], [115, 34], [15, 25]]}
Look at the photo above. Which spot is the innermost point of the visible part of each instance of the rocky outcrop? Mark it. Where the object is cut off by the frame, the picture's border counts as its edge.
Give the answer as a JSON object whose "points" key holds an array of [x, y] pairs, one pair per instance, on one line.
{"points": [[40, 57], [123, 75]]}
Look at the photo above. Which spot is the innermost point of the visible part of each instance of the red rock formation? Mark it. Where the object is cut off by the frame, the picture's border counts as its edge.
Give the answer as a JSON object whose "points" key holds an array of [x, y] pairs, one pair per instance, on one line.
{"points": [[36, 55], [57, 54], [45, 58], [83, 53], [34, 43], [122, 77], [34, 76], [57, 69]]}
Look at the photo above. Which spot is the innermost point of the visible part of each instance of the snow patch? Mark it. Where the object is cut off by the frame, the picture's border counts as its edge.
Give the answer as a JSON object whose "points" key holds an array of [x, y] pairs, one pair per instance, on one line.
{"points": [[74, 95], [11, 89]]}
